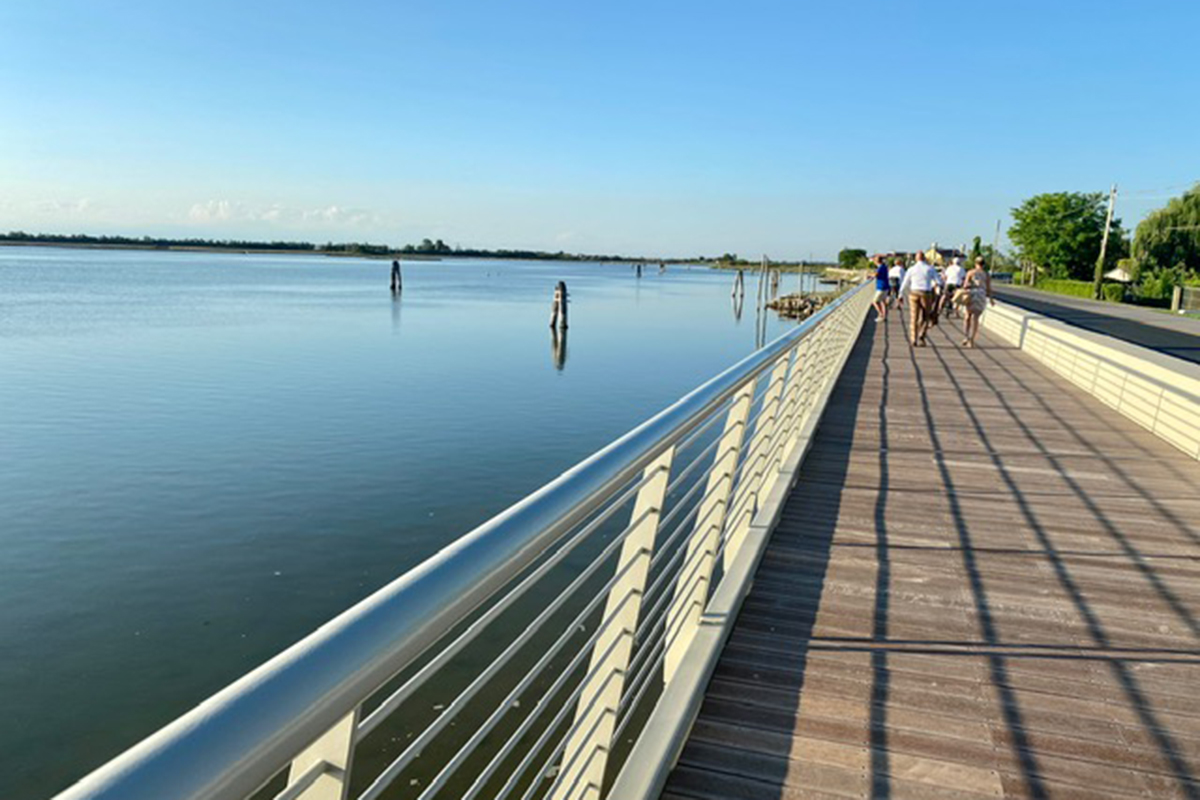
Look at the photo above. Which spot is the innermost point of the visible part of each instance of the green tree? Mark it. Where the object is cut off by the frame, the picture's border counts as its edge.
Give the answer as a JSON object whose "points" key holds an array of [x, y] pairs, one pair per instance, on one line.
{"points": [[851, 257], [1169, 238], [997, 260], [1061, 233]]}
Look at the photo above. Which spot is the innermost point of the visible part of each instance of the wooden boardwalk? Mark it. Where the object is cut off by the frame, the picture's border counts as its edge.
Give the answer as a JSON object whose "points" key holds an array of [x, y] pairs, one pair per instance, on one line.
{"points": [[984, 585]]}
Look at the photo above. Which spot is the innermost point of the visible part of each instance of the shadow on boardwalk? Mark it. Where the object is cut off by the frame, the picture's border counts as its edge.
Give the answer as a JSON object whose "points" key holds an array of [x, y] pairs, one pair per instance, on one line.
{"points": [[984, 585]]}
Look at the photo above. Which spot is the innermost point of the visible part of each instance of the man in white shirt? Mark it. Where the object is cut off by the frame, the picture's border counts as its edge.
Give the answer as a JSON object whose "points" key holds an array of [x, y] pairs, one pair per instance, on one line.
{"points": [[920, 282], [955, 275]]}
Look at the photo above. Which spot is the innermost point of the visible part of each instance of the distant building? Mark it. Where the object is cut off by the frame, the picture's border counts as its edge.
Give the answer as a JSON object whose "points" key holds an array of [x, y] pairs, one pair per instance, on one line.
{"points": [[941, 256]]}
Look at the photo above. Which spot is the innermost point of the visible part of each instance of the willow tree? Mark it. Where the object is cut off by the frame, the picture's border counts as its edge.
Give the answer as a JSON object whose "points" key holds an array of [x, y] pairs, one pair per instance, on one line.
{"points": [[1169, 238]]}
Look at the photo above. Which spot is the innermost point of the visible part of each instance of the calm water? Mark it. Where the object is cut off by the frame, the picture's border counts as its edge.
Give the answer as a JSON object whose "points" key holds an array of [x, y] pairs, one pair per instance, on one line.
{"points": [[203, 456]]}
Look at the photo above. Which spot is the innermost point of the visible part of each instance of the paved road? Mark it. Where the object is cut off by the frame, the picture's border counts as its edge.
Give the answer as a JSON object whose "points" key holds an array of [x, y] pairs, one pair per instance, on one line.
{"points": [[1172, 334]]}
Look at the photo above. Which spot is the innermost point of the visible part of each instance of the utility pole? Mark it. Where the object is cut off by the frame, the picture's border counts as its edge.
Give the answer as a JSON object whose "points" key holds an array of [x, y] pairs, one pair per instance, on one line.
{"points": [[1099, 277], [995, 247]]}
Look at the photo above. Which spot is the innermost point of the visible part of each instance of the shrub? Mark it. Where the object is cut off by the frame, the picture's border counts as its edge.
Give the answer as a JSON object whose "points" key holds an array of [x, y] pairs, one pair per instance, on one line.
{"points": [[1114, 292], [1063, 286], [1157, 285]]}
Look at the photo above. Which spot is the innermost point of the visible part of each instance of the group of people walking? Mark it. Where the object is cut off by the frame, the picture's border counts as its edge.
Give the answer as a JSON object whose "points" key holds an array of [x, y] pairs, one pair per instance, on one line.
{"points": [[931, 293]]}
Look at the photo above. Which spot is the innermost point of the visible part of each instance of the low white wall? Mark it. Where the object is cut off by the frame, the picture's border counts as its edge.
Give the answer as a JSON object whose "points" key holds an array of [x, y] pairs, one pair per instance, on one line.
{"points": [[1159, 392]]}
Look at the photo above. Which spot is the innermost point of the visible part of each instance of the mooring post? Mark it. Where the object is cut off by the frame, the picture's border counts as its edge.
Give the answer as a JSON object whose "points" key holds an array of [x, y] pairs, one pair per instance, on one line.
{"points": [[558, 311], [558, 347], [397, 286]]}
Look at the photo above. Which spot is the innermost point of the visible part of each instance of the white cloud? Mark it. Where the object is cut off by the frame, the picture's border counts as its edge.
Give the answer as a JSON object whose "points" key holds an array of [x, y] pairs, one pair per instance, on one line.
{"points": [[342, 216], [280, 214], [212, 211], [62, 207]]}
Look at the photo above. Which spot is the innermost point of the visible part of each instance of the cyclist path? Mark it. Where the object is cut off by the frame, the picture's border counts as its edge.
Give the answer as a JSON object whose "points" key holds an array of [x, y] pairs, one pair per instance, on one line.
{"points": [[1172, 334]]}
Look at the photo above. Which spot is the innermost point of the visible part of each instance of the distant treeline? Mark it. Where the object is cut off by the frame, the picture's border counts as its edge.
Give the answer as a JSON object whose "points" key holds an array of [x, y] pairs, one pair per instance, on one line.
{"points": [[149, 241], [437, 247], [426, 248]]}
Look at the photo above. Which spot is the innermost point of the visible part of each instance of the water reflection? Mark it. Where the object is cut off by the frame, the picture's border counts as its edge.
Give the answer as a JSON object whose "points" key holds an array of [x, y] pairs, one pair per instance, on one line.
{"points": [[395, 312], [738, 303], [558, 348]]}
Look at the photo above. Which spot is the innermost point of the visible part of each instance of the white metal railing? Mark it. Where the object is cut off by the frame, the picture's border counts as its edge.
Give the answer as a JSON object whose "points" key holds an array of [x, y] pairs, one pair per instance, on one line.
{"points": [[1157, 391], [525, 659]]}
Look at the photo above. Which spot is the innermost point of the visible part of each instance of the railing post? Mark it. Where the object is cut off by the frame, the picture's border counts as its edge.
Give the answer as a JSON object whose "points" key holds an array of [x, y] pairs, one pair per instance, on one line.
{"points": [[769, 467], [586, 753], [745, 501], [789, 415], [811, 375], [324, 766], [691, 587]]}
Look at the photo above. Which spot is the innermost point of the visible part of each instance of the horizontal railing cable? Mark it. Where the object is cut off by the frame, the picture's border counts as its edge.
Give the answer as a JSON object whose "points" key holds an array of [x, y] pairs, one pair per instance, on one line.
{"points": [[414, 748], [664, 547], [301, 784], [659, 604], [379, 714], [650, 592]]}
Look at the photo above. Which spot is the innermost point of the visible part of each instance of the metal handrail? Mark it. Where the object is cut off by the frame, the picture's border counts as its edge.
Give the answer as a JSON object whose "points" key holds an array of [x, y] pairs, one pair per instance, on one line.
{"points": [[236, 741]]}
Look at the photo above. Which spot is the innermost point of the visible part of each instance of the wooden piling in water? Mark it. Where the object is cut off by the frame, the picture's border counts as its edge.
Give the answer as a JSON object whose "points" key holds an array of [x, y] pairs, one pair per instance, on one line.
{"points": [[558, 310], [397, 283], [558, 347]]}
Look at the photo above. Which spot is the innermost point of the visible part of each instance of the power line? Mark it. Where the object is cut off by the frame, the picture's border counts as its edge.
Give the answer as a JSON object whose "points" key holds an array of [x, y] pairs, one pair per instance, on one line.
{"points": [[1165, 191]]}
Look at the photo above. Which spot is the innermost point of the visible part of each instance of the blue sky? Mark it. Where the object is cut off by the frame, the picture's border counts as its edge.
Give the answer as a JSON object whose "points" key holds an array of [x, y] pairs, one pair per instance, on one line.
{"points": [[784, 128]]}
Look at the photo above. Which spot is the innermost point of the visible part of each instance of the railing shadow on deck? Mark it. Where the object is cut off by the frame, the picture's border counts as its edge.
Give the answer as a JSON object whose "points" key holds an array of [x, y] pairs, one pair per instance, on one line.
{"points": [[1091, 410], [1168, 748]]}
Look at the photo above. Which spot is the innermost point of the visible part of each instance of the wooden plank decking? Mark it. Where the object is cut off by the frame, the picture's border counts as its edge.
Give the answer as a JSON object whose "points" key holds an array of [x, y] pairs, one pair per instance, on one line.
{"points": [[984, 585]]}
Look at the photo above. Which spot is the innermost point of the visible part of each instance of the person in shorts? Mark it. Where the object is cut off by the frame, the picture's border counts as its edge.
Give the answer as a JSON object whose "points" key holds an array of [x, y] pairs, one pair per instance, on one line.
{"points": [[882, 286]]}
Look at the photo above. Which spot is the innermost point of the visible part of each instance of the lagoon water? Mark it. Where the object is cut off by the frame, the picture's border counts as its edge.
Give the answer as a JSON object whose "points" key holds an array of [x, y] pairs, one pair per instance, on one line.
{"points": [[205, 456]]}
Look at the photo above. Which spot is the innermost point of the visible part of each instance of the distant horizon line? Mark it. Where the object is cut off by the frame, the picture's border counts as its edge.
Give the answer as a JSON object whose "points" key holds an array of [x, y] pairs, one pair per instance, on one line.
{"points": [[427, 250]]}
